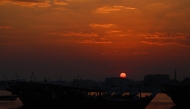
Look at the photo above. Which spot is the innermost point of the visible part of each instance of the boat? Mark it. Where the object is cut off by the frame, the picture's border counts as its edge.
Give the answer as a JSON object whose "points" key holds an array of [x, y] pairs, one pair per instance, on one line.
{"points": [[179, 93], [8, 97], [53, 95], [121, 103]]}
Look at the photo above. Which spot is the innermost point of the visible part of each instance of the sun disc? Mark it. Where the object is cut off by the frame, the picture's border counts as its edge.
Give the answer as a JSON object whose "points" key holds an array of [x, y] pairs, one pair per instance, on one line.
{"points": [[123, 75]]}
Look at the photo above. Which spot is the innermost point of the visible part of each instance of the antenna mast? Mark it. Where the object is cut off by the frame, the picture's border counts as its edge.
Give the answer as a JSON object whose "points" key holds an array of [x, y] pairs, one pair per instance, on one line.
{"points": [[33, 76], [17, 75], [5, 77]]}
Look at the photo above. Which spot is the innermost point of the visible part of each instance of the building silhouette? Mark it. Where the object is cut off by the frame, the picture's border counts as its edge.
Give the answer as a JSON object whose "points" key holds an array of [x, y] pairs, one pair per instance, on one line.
{"points": [[156, 79], [117, 81]]}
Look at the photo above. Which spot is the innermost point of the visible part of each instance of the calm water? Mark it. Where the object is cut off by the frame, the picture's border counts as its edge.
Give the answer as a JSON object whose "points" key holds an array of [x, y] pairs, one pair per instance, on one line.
{"points": [[161, 101]]}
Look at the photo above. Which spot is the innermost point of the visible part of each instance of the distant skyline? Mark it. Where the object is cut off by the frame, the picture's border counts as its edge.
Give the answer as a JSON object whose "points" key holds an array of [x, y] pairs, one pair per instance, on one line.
{"points": [[94, 39]]}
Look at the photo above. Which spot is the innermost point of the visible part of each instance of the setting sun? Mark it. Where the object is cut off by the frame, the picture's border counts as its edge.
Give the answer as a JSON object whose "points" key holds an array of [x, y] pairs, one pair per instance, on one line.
{"points": [[123, 75]]}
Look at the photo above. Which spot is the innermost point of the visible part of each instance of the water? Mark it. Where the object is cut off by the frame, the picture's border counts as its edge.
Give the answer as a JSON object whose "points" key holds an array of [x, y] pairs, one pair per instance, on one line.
{"points": [[161, 101]]}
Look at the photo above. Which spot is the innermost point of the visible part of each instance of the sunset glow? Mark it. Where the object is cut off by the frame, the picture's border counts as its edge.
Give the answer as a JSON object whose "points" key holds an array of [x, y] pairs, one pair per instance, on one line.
{"points": [[94, 38]]}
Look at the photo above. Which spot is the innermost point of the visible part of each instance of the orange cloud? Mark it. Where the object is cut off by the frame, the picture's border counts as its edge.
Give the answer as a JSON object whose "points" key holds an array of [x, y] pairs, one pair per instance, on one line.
{"points": [[28, 3], [58, 2], [135, 53], [163, 36], [9, 42], [130, 8], [80, 37], [108, 9], [5, 27], [101, 25], [179, 39], [80, 34], [162, 43], [113, 31], [96, 42], [5, 42]]}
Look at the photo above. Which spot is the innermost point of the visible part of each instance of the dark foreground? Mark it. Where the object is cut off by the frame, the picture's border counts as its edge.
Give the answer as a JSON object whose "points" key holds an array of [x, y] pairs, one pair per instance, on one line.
{"points": [[161, 101]]}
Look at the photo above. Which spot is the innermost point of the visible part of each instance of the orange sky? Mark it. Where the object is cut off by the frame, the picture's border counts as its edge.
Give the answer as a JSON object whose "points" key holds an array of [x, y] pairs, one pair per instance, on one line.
{"points": [[94, 38]]}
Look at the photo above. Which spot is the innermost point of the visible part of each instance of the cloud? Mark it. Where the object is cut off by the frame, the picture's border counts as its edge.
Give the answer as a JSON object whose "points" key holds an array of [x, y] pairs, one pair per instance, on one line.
{"points": [[101, 25], [80, 34], [157, 38], [4, 2], [31, 3], [5, 42], [137, 53], [83, 37], [113, 31], [109, 9], [27, 0], [164, 36], [58, 2], [130, 8], [5, 27], [10, 42], [164, 43], [95, 42]]}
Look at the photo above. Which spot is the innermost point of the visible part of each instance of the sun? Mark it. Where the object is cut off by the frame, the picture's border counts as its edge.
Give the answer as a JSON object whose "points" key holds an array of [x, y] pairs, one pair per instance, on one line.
{"points": [[123, 75]]}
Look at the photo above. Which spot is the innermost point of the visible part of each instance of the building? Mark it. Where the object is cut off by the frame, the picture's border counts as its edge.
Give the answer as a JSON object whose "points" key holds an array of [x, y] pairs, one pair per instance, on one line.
{"points": [[3, 85], [116, 81], [186, 81], [85, 83], [156, 79]]}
